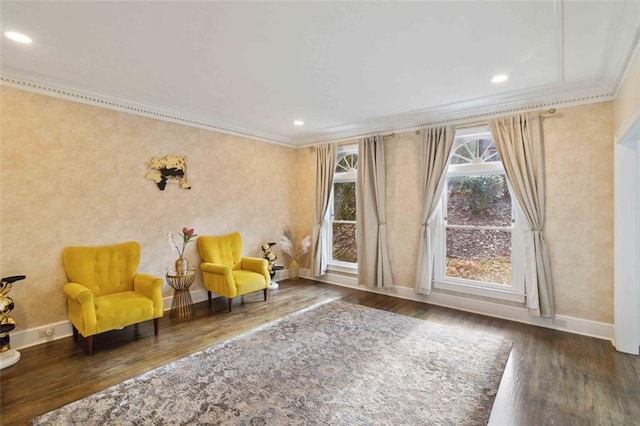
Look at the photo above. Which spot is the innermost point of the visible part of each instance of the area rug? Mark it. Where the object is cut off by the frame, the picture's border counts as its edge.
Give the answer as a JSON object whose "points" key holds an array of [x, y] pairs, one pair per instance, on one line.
{"points": [[332, 364]]}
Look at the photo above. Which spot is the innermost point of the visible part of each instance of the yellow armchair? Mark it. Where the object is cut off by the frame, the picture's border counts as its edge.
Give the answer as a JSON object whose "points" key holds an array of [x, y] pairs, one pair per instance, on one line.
{"points": [[105, 292], [226, 272]]}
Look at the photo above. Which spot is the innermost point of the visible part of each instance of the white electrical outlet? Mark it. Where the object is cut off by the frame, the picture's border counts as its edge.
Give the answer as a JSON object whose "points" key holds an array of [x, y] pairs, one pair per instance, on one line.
{"points": [[46, 332]]}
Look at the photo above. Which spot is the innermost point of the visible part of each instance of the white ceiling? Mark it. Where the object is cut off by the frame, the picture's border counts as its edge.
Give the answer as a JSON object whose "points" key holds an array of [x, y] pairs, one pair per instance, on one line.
{"points": [[345, 68]]}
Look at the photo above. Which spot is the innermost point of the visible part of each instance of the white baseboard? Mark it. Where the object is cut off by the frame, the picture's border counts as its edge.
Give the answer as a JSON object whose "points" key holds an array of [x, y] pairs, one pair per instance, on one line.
{"points": [[32, 336], [59, 330], [566, 323], [37, 335]]}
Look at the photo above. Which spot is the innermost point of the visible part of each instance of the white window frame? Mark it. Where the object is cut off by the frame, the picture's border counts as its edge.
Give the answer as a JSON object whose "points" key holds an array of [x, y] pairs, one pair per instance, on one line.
{"points": [[515, 291], [334, 264]]}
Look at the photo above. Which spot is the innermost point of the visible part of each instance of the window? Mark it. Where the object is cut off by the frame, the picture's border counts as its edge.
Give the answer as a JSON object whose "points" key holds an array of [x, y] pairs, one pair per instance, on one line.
{"points": [[343, 208], [478, 237]]}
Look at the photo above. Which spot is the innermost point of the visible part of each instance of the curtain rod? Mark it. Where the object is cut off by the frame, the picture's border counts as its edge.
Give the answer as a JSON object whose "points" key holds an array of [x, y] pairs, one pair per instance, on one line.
{"points": [[391, 135], [551, 111]]}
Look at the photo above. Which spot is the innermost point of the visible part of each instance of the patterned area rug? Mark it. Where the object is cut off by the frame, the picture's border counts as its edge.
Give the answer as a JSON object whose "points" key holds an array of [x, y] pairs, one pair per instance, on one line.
{"points": [[332, 364]]}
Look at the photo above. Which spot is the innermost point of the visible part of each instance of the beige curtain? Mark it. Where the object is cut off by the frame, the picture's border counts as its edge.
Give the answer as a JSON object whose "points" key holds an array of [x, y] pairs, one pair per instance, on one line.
{"points": [[374, 266], [519, 142], [435, 148], [326, 155]]}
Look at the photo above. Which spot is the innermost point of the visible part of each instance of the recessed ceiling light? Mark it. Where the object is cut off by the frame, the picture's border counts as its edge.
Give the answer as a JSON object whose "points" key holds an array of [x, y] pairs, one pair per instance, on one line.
{"points": [[18, 37], [499, 78], [298, 123]]}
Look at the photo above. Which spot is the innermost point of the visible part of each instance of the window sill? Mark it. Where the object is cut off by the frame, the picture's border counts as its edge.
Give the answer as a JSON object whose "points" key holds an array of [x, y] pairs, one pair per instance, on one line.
{"points": [[494, 293], [343, 268]]}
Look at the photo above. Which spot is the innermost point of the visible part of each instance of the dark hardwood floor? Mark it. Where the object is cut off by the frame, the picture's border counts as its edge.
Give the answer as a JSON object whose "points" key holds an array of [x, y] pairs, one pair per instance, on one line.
{"points": [[551, 378]]}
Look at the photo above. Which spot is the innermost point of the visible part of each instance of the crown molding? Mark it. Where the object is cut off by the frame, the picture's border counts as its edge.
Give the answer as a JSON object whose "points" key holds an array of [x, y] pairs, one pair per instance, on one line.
{"points": [[557, 94], [458, 113], [44, 86], [616, 56], [554, 95], [634, 51]]}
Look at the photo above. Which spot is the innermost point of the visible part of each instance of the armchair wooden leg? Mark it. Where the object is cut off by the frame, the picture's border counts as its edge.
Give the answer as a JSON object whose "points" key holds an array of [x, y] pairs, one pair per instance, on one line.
{"points": [[89, 345], [230, 304], [265, 294], [75, 334], [155, 326], [209, 297]]}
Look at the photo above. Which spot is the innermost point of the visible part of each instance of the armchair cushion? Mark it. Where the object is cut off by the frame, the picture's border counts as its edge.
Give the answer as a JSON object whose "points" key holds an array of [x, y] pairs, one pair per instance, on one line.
{"points": [[119, 310]]}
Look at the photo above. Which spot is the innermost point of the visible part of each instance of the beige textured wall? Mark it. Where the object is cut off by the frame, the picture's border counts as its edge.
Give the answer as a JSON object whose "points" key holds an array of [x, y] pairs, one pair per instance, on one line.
{"points": [[579, 161], [74, 174], [403, 212], [627, 102], [303, 197], [579, 228]]}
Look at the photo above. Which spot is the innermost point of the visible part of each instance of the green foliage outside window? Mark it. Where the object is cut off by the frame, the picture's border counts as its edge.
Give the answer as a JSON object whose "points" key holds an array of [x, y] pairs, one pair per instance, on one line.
{"points": [[482, 191]]}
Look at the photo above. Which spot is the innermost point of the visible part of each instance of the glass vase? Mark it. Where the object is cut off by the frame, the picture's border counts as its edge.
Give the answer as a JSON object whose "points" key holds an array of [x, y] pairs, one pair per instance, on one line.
{"points": [[182, 265]]}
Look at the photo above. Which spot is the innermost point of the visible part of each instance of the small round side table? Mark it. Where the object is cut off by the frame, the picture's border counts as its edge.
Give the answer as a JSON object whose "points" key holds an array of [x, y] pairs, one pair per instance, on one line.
{"points": [[182, 305]]}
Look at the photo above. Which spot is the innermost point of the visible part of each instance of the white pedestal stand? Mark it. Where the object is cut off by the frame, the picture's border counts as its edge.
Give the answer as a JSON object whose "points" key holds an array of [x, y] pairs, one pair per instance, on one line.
{"points": [[8, 358], [274, 284]]}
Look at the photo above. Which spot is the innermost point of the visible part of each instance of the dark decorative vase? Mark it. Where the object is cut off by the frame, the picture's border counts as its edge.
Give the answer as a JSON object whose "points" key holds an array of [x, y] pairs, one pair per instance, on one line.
{"points": [[8, 356]]}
